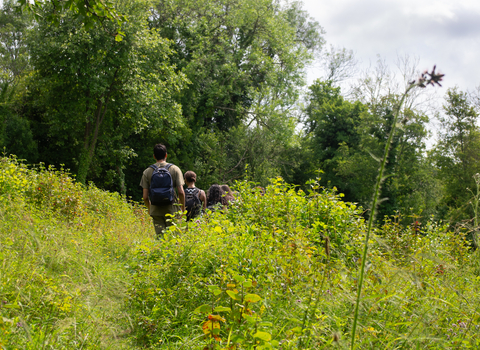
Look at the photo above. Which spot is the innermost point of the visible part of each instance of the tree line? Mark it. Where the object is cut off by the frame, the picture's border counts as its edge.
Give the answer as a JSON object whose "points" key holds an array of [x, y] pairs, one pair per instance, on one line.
{"points": [[222, 84]]}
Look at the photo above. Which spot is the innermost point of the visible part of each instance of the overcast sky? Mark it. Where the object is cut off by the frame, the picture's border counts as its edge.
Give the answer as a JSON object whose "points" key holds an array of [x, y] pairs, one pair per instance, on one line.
{"points": [[441, 32]]}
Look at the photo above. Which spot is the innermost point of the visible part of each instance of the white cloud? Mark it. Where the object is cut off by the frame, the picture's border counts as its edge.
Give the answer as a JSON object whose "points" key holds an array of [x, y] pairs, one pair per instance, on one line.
{"points": [[445, 33]]}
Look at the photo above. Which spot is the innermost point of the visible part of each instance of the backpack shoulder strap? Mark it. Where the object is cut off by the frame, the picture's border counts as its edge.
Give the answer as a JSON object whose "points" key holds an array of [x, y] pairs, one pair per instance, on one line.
{"points": [[168, 166], [153, 166]]}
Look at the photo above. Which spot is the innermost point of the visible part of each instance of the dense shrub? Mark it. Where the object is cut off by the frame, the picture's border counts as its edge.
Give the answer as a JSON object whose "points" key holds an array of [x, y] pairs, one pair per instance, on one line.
{"points": [[295, 257]]}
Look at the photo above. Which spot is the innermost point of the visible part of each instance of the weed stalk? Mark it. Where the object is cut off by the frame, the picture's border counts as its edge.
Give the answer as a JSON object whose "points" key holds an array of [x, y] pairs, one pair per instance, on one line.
{"points": [[425, 79]]}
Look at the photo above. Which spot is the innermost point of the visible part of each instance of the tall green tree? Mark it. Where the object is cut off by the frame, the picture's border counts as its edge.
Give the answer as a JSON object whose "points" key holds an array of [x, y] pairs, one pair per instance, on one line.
{"points": [[245, 60], [16, 136], [13, 48], [346, 139], [332, 125], [457, 153], [231, 49], [94, 87]]}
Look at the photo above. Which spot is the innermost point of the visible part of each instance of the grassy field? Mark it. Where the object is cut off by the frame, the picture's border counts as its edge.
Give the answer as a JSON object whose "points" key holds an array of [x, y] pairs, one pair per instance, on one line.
{"points": [[80, 269]]}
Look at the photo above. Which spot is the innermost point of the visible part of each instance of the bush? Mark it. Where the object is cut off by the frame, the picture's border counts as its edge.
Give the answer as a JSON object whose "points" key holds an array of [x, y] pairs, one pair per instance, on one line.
{"points": [[279, 270]]}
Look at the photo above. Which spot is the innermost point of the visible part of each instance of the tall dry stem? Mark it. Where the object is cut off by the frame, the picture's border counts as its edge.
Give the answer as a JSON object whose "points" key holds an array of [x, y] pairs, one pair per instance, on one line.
{"points": [[425, 79]]}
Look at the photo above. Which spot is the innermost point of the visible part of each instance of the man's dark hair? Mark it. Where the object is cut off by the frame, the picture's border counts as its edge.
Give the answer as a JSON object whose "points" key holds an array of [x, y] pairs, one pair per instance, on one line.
{"points": [[159, 151], [190, 176], [216, 195]]}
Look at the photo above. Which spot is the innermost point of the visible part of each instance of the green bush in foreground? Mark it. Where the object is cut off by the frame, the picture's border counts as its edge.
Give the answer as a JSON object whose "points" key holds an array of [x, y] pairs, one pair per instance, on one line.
{"points": [[280, 270]]}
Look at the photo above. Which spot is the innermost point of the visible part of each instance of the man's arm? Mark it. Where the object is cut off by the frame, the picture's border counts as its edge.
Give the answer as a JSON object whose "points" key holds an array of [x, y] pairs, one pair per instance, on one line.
{"points": [[181, 196], [203, 198], [145, 199]]}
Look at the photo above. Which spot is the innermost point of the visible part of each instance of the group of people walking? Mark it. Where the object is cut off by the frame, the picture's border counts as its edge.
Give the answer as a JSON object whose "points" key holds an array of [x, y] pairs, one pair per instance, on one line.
{"points": [[164, 194]]}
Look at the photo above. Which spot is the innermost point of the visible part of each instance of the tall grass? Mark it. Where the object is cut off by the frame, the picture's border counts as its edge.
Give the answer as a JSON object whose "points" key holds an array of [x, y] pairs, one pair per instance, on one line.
{"points": [[424, 80], [419, 284], [62, 252]]}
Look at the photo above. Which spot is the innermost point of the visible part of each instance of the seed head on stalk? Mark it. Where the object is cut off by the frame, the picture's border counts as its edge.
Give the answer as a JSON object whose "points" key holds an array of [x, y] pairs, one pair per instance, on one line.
{"points": [[425, 79], [428, 78]]}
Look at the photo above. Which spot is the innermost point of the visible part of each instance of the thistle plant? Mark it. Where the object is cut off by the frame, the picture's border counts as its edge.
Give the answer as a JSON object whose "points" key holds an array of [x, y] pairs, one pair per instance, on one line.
{"points": [[425, 79]]}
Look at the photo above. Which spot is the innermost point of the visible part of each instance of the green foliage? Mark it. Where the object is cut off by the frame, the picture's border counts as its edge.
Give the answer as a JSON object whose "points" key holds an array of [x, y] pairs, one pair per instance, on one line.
{"points": [[333, 125], [346, 139], [90, 13], [276, 269], [13, 51], [245, 61], [232, 50], [106, 89], [457, 154], [62, 248], [298, 253]]}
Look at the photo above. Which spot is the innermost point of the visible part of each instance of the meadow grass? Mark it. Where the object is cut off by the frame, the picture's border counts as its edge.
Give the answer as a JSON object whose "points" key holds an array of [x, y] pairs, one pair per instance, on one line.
{"points": [[82, 270], [62, 252]]}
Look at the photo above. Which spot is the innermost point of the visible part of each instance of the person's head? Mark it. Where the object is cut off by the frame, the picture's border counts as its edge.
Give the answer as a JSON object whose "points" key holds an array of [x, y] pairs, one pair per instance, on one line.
{"points": [[227, 189], [159, 151], [228, 193], [216, 195], [190, 177]]}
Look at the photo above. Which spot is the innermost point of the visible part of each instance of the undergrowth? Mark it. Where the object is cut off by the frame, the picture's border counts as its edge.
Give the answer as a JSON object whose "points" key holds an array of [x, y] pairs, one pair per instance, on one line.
{"points": [[62, 253], [276, 270]]}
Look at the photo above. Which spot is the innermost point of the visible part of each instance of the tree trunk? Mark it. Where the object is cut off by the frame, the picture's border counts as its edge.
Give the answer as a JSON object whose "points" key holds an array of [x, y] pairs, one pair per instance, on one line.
{"points": [[90, 142]]}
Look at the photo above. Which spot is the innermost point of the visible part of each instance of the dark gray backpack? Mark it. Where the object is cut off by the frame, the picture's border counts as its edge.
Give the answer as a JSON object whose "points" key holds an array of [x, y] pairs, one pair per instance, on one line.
{"points": [[161, 190], [193, 204]]}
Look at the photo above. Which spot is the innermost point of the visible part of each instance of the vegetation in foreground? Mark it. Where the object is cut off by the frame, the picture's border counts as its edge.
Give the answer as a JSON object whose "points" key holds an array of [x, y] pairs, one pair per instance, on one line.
{"points": [[81, 269]]}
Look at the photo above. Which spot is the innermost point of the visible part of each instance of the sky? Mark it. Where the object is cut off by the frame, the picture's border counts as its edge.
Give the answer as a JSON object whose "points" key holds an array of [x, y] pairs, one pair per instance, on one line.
{"points": [[441, 32]]}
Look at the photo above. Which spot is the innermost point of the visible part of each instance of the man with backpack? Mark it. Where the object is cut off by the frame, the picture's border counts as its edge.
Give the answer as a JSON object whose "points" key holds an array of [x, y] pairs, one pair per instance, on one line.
{"points": [[159, 182], [195, 198]]}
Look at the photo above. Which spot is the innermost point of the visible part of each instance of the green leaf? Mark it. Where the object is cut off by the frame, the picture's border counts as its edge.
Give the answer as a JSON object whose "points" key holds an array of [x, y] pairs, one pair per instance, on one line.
{"points": [[205, 309], [239, 279], [232, 294], [296, 330], [263, 336], [222, 308], [252, 319], [252, 298], [215, 290], [248, 284]]}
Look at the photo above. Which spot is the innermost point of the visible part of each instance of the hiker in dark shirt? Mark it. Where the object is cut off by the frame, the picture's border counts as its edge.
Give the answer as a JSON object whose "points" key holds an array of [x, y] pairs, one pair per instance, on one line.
{"points": [[195, 198], [215, 197]]}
